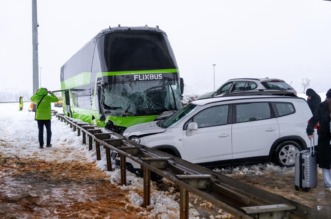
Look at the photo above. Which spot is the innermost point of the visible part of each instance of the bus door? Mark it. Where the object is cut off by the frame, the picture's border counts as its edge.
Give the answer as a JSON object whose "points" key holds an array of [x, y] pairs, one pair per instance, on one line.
{"points": [[67, 103], [100, 101]]}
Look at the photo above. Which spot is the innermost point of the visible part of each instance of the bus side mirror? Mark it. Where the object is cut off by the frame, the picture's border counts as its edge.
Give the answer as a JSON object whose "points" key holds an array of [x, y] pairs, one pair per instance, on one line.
{"points": [[181, 85]]}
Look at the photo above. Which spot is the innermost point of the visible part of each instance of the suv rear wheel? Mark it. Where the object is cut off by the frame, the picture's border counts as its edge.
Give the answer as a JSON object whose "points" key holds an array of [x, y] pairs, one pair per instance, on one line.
{"points": [[285, 153]]}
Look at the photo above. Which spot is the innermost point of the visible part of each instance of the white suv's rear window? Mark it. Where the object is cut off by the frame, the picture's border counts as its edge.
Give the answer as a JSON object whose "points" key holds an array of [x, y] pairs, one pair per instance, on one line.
{"points": [[284, 109]]}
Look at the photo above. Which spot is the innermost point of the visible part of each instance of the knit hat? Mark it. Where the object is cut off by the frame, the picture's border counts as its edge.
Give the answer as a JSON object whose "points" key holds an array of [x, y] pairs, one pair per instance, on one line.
{"points": [[328, 94]]}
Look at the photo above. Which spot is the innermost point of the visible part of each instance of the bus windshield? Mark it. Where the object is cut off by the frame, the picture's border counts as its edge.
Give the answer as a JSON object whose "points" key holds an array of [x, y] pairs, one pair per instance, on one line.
{"points": [[140, 98]]}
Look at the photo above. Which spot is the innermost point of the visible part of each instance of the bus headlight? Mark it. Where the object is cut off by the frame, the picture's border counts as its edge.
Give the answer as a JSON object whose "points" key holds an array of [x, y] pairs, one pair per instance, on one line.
{"points": [[135, 139]]}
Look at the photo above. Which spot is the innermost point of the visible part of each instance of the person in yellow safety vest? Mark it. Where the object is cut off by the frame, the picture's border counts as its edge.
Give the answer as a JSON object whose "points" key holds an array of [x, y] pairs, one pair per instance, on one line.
{"points": [[43, 99], [20, 101]]}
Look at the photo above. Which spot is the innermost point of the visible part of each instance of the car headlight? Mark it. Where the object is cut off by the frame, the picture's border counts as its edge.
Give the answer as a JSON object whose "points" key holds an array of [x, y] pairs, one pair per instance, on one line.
{"points": [[135, 139]]}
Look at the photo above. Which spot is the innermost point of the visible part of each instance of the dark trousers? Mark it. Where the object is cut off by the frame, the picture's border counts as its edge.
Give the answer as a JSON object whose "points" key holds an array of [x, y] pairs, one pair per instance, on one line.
{"points": [[47, 124]]}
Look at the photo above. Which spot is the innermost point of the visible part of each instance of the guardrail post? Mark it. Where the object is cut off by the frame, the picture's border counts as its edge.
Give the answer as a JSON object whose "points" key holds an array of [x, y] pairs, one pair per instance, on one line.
{"points": [[97, 149], [115, 143], [123, 169], [84, 137], [108, 159], [93, 132], [184, 203], [100, 136], [79, 127], [86, 128], [90, 147], [147, 186]]}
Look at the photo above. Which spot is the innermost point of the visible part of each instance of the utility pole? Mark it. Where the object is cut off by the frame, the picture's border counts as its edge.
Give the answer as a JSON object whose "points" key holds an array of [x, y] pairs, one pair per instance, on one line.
{"points": [[35, 78]]}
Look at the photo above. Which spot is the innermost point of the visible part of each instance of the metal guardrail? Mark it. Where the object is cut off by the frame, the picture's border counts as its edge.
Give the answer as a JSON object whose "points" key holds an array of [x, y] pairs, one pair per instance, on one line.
{"points": [[239, 199]]}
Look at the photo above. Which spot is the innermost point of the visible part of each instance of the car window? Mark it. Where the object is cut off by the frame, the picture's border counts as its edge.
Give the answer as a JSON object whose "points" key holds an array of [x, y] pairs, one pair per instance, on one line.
{"points": [[248, 112], [239, 86], [278, 85], [213, 116], [224, 88], [251, 85], [284, 109]]}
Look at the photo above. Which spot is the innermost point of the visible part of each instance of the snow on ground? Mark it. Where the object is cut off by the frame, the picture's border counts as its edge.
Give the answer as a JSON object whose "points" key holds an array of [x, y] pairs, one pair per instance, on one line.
{"points": [[20, 129]]}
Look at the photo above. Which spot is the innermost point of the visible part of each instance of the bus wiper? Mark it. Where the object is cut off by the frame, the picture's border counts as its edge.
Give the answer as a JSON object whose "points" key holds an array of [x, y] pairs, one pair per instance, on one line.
{"points": [[114, 107], [107, 112]]}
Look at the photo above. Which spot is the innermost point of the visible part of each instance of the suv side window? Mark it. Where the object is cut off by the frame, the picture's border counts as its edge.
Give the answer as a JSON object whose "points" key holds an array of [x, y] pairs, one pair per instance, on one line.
{"points": [[248, 112], [239, 86], [213, 116], [251, 85], [284, 109]]}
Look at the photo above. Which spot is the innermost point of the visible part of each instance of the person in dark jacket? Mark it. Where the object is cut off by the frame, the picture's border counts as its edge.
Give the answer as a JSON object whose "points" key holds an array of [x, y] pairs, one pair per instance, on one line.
{"points": [[43, 99], [313, 99], [322, 115]]}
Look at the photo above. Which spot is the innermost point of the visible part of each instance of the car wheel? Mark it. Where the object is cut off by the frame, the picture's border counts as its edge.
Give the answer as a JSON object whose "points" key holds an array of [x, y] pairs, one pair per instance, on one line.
{"points": [[285, 153]]}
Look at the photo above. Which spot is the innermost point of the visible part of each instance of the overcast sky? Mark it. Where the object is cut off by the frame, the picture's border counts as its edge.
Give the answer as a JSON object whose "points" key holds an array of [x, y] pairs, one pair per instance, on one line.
{"points": [[287, 39]]}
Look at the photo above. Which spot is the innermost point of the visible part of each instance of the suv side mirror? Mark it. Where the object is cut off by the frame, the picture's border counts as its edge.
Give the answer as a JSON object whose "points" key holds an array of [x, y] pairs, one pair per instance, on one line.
{"points": [[192, 126]]}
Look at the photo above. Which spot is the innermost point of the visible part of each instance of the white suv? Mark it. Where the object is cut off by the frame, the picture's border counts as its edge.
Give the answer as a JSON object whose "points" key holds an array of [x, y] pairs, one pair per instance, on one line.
{"points": [[231, 130], [251, 86]]}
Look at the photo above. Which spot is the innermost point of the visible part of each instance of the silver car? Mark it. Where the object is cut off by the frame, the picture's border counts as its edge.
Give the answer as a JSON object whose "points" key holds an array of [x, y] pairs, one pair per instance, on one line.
{"points": [[252, 86]]}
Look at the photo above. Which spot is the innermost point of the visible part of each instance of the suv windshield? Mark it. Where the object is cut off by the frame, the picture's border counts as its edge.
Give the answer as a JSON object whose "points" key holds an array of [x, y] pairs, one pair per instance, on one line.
{"points": [[176, 116]]}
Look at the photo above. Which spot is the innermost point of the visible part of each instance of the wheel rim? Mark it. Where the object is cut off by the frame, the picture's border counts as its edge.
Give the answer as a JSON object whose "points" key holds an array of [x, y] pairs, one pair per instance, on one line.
{"points": [[286, 155]]}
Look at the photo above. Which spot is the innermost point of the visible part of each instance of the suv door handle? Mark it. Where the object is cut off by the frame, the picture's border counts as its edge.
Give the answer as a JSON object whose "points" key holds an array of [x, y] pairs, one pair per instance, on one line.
{"points": [[223, 135], [270, 129]]}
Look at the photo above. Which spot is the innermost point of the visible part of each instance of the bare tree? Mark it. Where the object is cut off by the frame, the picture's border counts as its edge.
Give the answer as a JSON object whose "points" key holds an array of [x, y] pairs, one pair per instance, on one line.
{"points": [[305, 82]]}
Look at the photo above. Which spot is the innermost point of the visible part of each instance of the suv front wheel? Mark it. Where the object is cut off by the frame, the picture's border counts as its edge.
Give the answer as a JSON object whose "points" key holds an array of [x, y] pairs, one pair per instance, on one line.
{"points": [[285, 153]]}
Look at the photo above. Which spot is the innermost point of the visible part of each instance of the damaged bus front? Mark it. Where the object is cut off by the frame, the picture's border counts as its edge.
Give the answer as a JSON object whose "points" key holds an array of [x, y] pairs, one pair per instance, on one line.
{"points": [[122, 77]]}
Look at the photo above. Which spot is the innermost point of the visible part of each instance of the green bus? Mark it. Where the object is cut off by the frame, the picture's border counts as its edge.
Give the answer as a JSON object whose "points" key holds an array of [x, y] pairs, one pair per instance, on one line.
{"points": [[121, 77]]}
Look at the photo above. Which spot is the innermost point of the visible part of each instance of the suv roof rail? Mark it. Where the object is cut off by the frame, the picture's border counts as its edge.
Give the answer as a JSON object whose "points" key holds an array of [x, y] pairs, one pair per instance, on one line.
{"points": [[261, 92]]}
